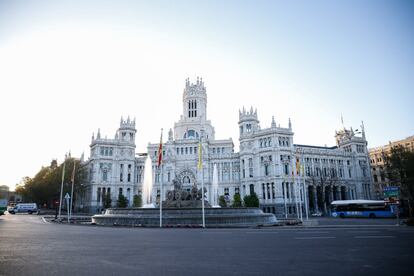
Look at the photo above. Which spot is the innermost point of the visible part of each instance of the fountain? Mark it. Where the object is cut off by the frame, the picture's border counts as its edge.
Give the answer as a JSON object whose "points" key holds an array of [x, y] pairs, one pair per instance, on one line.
{"points": [[182, 207], [214, 192], [147, 187]]}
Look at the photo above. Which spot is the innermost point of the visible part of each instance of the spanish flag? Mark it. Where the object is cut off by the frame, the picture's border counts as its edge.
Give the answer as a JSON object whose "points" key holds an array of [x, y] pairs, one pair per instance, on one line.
{"points": [[200, 162], [160, 151]]}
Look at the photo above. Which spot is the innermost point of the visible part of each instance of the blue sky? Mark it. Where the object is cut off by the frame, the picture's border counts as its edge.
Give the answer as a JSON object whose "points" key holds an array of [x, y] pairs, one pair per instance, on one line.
{"points": [[71, 67]]}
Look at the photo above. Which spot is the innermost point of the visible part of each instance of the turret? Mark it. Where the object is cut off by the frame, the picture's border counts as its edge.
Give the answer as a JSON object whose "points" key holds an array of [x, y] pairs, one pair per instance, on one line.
{"points": [[170, 135], [273, 125], [126, 131], [248, 121], [195, 100]]}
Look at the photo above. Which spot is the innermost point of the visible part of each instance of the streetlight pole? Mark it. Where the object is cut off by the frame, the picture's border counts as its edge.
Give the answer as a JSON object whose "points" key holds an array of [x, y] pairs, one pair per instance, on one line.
{"points": [[61, 188]]}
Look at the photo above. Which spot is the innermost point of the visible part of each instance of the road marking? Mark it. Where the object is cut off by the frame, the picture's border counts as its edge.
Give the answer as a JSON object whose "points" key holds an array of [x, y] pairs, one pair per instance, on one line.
{"points": [[215, 232], [45, 221], [373, 237], [259, 232], [313, 238], [312, 232], [363, 231]]}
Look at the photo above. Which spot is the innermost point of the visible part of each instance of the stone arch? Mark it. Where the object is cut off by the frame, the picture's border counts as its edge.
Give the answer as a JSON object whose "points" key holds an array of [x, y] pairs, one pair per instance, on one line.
{"points": [[187, 178]]}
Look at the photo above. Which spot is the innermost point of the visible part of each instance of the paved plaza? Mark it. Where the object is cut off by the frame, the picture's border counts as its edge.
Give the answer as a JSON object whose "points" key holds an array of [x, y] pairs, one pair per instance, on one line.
{"points": [[31, 246]]}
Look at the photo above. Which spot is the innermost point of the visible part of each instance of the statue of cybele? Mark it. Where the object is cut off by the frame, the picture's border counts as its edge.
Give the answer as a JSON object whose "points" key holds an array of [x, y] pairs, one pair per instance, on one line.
{"points": [[179, 198]]}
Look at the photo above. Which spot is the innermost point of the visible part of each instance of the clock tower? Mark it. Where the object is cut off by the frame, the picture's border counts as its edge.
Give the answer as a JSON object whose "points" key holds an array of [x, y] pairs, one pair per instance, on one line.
{"points": [[194, 118]]}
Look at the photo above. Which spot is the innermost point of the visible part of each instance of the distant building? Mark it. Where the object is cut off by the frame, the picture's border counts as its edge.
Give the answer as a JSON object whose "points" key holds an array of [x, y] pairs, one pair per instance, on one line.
{"points": [[376, 155], [268, 164]]}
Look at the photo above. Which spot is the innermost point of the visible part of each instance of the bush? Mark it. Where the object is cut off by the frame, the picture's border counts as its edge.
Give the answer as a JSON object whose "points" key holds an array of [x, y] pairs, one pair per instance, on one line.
{"points": [[251, 200], [122, 201], [137, 201], [237, 200], [107, 201], [222, 201]]}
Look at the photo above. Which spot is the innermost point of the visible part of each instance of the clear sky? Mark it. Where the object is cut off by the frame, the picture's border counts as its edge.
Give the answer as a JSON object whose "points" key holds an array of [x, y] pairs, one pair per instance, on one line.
{"points": [[68, 68]]}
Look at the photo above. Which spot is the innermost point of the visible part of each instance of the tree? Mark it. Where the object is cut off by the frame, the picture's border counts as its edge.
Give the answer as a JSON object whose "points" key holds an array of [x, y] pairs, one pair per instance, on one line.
{"points": [[122, 201], [44, 187], [107, 201], [251, 200], [399, 165], [222, 201], [137, 201], [325, 181], [237, 200]]}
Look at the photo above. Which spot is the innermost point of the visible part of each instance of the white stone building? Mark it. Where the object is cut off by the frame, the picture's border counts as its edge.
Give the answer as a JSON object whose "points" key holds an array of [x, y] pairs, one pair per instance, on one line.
{"points": [[269, 163]]}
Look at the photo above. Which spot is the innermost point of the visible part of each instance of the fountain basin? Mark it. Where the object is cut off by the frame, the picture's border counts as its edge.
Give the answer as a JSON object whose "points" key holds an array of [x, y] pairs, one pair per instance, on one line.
{"points": [[214, 217]]}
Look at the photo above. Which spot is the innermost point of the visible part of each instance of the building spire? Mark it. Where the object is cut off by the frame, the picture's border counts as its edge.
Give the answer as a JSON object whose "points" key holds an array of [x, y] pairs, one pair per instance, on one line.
{"points": [[363, 129], [273, 122]]}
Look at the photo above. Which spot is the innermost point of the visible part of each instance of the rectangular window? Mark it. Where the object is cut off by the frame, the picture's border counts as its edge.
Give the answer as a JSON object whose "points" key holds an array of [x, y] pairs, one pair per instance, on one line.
{"points": [[268, 190], [98, 195], [263, 191], [121, 169], [250, 167]]}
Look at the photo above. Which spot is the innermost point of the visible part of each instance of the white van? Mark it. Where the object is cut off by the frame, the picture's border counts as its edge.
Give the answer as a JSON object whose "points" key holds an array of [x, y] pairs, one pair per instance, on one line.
{"points": [[24, 208]]}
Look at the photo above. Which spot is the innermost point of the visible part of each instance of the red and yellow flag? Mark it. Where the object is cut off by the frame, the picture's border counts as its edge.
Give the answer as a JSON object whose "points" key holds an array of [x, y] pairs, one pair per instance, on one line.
{"points": [[160, 151]]}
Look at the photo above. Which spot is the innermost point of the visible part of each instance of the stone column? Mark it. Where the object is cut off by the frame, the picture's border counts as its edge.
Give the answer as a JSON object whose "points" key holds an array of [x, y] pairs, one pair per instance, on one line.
{"points": [[338, 192]]}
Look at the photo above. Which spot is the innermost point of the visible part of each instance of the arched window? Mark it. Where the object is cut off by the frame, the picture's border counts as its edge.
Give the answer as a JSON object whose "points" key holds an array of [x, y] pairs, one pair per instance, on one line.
{"points": [[191, 134], [251, 189], [186, 180]]}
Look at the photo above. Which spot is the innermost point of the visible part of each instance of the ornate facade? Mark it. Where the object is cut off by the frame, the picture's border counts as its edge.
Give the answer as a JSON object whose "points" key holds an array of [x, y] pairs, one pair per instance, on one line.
{"points": [[378, 166], [285, 176]]}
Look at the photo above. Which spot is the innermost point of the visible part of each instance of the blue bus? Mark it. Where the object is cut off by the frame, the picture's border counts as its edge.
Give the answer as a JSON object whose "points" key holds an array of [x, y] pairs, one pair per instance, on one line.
{"points": [[361, 209]]}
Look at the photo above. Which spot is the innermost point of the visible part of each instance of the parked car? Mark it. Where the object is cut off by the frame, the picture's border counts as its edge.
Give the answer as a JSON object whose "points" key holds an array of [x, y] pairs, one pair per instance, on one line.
{"points": [[24, 208], [3, 205]]}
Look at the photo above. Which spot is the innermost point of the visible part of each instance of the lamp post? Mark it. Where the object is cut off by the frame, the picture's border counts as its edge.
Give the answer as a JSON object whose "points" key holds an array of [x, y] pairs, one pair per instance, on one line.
{"points": [[61, 187]]}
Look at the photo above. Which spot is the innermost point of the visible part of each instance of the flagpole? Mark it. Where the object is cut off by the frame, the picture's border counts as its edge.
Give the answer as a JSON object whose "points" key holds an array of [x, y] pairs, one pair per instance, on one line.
{"points": [[284, 194], [300, 199], [160, 176], [200, 166], [305, 194], [61, 187], [160, 169], [295, 192], [305, 197], [73, 182]]}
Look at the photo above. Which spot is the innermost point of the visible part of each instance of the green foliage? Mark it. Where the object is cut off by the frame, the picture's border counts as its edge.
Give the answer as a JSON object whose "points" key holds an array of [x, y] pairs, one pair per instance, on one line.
{"points": [[400, 171], [222, 201], [122, 201], [237, 200], [251, 200], [107, 201], [44, 187], [137, 201]]}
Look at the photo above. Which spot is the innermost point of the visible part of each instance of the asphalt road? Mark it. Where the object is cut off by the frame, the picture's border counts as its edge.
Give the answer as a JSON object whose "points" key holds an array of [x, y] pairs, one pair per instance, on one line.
{"points": [[31, 246]]}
